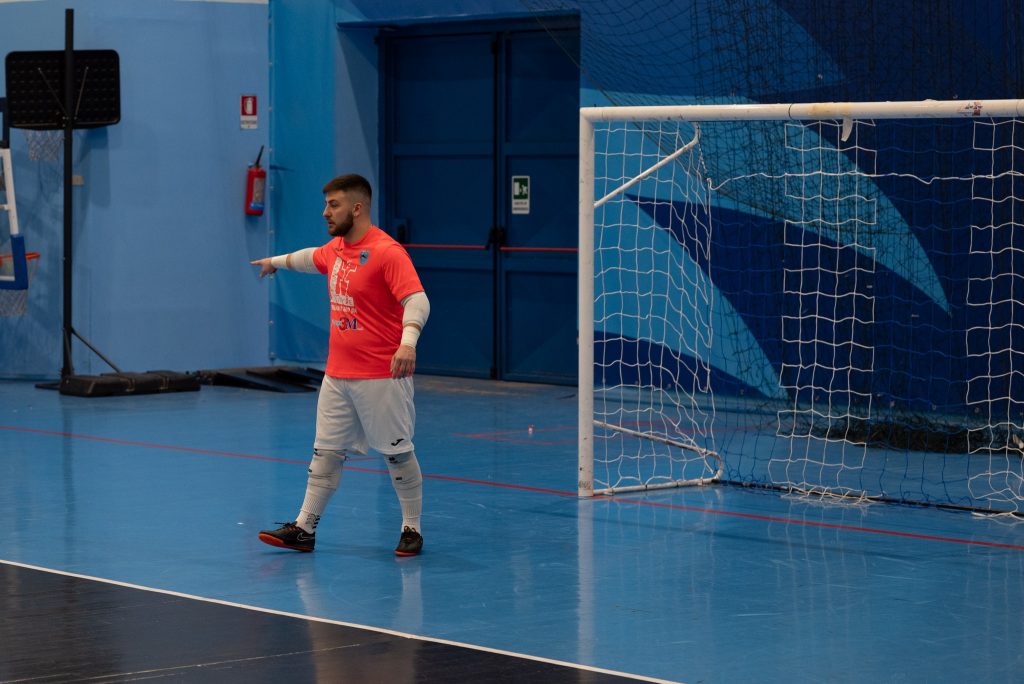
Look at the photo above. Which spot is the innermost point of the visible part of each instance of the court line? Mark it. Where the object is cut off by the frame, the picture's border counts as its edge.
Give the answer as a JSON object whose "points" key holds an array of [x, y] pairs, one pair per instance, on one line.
{"points": [[489, 483], [149, 445], [168, 447], [834, 526], [340, 623]]}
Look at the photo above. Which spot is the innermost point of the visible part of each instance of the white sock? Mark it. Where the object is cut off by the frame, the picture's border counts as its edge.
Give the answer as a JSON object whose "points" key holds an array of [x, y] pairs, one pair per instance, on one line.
{"points": [[408, 483], [323, 480]]}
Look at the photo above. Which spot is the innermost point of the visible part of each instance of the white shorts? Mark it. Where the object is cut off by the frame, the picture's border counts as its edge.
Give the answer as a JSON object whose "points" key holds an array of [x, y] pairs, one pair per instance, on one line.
{"points": [[354, 414]]}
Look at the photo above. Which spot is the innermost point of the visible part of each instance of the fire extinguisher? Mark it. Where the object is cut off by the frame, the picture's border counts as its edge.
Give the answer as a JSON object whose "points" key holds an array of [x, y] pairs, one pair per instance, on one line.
{"points": [[255, 182]]}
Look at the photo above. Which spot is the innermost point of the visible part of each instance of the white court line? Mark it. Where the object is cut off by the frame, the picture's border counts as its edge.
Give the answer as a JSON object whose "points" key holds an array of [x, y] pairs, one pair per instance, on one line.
{"points": [[353, 625]]}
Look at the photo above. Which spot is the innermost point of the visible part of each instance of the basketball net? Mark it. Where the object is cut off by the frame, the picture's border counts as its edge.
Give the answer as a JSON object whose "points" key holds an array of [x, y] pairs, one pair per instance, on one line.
{"points": [[44, 145], [15, 302]]}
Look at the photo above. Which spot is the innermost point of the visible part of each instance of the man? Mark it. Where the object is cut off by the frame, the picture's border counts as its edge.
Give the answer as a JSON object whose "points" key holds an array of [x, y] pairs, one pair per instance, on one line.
{"points": [[378, 308]]}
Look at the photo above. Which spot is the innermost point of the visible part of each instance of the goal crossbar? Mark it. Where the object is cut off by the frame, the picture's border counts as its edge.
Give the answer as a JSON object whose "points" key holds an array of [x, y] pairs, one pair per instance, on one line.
{"points": [[925, 109]]}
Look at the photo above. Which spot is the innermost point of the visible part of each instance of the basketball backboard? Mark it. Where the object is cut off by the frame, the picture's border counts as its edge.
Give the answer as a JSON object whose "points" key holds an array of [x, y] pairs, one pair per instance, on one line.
{"points": [[35, 89]]}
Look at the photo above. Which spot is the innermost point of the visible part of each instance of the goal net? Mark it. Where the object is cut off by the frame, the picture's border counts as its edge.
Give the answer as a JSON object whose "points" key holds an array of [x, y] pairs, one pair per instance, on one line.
{"points": [[817, 298]]}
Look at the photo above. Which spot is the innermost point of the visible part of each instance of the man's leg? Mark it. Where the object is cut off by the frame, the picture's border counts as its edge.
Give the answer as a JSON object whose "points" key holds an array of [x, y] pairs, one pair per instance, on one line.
{"points": [[321, 484], [388, 415], [408, 483], [336, 424]]}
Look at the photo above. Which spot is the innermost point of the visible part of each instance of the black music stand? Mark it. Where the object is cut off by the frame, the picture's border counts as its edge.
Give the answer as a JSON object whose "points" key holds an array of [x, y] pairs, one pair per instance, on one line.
{"points": [[66, 90]]}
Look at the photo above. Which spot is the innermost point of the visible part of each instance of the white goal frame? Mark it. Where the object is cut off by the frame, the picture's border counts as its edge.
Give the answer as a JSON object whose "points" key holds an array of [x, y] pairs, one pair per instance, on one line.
{"points": [[847, 112]]}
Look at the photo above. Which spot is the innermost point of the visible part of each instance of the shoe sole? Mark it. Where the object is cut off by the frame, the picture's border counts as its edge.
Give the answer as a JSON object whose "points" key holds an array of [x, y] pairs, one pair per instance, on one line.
{"points": [[406, 554], [274, 541]]}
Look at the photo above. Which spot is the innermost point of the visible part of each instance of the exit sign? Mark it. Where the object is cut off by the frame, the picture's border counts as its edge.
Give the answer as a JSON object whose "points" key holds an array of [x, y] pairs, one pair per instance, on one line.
{"points": [[520, 194]]}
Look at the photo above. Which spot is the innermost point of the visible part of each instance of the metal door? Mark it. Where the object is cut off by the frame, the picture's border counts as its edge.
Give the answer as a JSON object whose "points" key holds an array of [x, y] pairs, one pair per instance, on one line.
{"points": [[467, 110]]}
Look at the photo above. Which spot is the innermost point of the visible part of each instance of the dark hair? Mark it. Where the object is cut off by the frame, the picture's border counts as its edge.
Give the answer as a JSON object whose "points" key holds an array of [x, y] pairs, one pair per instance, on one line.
{"points": [[348, 183]]}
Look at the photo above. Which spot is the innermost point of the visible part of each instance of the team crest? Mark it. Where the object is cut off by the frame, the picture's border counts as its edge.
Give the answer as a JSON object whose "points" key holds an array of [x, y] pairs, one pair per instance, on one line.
{"points": [[364, 256]]}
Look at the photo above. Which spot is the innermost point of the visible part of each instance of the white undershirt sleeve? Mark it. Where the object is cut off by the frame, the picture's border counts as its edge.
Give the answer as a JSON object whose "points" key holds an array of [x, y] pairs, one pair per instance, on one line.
{"points": [[301, 261]]}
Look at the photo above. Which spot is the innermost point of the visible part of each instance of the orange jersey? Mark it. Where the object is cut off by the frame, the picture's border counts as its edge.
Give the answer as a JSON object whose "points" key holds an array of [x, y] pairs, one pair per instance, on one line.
{"points": [[367, 281]]}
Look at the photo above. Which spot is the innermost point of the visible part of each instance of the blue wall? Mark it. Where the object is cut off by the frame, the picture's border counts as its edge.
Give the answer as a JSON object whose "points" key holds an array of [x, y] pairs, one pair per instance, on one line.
{"points": [[161, 244]]}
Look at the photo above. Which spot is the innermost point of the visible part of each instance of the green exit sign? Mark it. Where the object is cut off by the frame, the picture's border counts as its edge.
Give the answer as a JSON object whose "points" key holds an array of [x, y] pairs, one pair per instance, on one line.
{"points": [[520, 194]]}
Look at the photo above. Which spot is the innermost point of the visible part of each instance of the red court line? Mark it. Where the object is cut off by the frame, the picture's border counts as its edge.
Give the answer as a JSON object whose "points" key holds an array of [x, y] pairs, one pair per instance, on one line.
{"points": [[168, 447], [507, 436], [150, 445], [811, 523], [526, 488], [466, 480]]}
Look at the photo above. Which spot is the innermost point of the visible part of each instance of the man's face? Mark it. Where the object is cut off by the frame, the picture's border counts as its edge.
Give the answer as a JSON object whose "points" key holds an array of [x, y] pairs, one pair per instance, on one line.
{"points": [[340, 211]]}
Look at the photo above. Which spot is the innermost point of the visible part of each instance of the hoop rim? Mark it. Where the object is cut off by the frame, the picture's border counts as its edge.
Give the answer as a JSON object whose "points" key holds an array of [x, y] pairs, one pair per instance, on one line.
{"points": [[29, 256]]}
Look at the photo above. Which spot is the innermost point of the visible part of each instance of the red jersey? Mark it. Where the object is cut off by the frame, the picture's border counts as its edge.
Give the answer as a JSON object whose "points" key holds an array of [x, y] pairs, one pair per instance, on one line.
{"points": [[367, 281]]}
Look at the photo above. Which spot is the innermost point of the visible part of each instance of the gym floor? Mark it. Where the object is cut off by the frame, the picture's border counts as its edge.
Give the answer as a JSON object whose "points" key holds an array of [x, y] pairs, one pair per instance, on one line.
{"points": [[130, 552]]}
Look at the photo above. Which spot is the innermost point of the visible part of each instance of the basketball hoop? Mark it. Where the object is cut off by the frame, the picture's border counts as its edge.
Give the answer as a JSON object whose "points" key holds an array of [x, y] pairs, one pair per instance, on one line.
{"points": [[15, 302], [44, 145]]}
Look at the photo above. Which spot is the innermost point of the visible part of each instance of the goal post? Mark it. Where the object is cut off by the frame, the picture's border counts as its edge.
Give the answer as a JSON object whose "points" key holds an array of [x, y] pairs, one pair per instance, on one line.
{"points": [[823, 298]]}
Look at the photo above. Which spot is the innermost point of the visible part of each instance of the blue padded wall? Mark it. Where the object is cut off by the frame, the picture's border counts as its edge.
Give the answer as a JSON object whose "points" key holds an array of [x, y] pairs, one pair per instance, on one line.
{"points": [[161, 244]]}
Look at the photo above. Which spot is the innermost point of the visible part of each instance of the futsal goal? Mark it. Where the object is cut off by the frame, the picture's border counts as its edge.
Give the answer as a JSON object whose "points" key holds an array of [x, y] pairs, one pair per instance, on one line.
{"points": [[825, 299]]}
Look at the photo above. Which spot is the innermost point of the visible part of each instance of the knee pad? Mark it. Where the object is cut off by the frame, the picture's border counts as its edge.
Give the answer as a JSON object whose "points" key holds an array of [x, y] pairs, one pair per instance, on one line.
{"points": [[404, 469], [325, 468]]}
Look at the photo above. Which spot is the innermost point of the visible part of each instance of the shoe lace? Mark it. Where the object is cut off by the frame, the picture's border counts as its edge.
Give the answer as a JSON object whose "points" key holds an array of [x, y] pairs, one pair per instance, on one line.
{"points": [[409, 533]]}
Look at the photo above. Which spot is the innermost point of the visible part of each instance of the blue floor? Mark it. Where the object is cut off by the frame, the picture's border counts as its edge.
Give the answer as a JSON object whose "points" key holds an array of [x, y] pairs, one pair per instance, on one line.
{"points": [[718, 584]]}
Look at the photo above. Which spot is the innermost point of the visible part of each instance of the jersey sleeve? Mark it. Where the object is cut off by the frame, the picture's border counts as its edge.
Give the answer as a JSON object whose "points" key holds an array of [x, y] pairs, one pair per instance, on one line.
{"points": [[321, 257], [400, 274]]}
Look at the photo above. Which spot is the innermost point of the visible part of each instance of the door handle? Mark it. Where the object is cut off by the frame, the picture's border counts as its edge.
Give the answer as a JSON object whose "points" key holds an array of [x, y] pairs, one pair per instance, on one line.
{"points": [[402, 231], [496, 237]]}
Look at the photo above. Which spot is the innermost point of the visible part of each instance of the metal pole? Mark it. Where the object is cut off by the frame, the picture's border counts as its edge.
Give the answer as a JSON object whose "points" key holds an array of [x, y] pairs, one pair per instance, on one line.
{"points": [[585, 313], [69, 127]]}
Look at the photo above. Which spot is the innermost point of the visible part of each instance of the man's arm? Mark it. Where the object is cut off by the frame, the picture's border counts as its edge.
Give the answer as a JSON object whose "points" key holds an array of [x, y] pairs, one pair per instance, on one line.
{"points": [[417, 309], [301, 261]]}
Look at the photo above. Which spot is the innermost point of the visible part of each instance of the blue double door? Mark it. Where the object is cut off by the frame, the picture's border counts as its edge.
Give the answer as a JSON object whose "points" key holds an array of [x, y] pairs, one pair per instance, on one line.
{"points": [[480, 170]]}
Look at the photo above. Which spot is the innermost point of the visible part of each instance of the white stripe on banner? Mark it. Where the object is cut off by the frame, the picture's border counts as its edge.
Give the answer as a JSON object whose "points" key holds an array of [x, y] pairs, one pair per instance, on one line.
{"points": [[228, 2]]}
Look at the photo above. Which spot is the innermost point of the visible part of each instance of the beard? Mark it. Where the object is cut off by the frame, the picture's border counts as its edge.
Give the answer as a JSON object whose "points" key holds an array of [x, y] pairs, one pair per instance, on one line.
{"points": [[341, 229]]}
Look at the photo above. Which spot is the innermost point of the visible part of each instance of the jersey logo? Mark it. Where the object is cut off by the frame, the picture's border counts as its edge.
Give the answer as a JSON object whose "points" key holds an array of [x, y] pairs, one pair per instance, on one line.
{"points": [[339, 284], [364, 256], [346, 323]]}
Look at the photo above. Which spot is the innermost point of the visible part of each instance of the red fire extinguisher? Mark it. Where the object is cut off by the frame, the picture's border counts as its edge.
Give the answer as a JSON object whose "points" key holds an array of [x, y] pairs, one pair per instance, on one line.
{"points": [[255, 182]]}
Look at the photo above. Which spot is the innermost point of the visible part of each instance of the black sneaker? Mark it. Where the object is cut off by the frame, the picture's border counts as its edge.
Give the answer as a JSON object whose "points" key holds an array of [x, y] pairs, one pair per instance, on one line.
{"points": [[410, 543], [289, 536]]}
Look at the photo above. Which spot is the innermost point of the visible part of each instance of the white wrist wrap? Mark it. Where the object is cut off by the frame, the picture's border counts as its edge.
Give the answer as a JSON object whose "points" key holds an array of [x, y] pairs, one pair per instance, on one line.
{"points": [[410, 335]]}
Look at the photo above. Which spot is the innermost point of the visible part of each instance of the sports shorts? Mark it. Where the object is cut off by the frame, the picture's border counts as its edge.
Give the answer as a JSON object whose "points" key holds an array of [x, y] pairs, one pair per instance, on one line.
{"points": [[355, 414]]}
